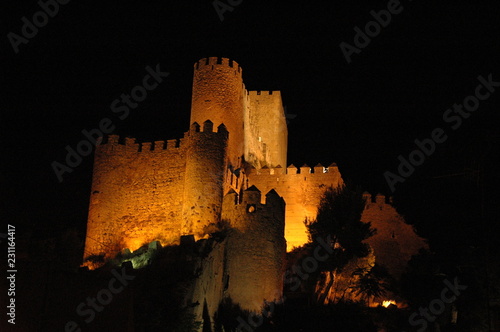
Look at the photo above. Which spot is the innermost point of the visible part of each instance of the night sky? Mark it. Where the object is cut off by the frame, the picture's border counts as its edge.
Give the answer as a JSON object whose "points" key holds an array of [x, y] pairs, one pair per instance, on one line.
{"points": [[361, 115]]}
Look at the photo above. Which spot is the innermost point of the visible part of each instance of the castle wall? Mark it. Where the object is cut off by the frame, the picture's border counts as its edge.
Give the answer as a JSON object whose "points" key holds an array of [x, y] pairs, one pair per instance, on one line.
{"points": [[265, 125], [395, 241], [136, 195], [219, 95], [204, 178], [208, 288], [255, 248], [301, 190]]}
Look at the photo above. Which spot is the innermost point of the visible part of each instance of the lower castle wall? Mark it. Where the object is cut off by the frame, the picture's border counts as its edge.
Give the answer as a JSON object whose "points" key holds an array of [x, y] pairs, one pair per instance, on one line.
{"points": [[208, 289]]}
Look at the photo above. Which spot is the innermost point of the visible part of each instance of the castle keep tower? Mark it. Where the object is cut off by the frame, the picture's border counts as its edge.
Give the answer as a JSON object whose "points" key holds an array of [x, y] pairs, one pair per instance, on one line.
{"points": [[255, 120], [219, 95]]}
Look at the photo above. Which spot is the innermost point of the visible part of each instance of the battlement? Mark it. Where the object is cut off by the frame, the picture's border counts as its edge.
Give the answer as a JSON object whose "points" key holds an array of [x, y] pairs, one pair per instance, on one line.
{"points": [[265, 96], [256, 246], [377, 199], [214, 62], [293, 170], [116, 142], [246, 212], [132, 145], [208, 127], [264, 93], [253, 195]]}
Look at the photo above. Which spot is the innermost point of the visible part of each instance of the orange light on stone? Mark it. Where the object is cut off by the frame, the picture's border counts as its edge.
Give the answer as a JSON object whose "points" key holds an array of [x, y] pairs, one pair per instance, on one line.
{"points": [[134, 243], [388, 303]]}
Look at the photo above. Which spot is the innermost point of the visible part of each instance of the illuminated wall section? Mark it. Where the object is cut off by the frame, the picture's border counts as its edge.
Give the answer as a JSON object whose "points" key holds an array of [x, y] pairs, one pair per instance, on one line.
{"points": [[255, 247], [135, 195], [220, 96], [301, 189], [266, 133]]}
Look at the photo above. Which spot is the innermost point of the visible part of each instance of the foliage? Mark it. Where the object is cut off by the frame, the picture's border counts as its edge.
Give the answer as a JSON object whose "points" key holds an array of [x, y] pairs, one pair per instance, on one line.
{"points": [[337, 225], [372, 284], [342, 316], [339, 221], [229, 316]]}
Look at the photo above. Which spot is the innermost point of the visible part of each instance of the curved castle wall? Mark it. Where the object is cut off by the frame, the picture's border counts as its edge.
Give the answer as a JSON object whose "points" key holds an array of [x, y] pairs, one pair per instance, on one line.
{"points": [[219, 95], [204, 178], [255, 247], [266, 132]]}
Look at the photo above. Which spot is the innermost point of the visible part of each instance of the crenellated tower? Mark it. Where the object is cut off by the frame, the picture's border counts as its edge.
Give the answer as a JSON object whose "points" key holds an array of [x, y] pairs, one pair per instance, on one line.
{"points": [[256, 247], [206, 162], [255, 119], [219, 95]]}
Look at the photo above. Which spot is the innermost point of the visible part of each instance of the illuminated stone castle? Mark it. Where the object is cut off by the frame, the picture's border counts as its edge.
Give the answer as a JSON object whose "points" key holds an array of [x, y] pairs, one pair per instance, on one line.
{"points": [[161, 190], [229, 168]]}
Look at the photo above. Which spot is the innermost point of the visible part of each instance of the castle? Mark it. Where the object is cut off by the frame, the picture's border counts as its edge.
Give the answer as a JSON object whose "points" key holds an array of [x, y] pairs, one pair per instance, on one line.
{"points": [[230, 167], [161, 190]]}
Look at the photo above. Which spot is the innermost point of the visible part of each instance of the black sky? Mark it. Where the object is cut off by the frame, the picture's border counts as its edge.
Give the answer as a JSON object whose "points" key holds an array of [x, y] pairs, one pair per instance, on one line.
{"points": [[360, 115]]}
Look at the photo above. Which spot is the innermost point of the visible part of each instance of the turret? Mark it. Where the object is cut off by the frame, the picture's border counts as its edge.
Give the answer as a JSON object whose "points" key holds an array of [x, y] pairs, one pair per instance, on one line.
{"points": [[256, 247], [219, 95], [204, 177]]}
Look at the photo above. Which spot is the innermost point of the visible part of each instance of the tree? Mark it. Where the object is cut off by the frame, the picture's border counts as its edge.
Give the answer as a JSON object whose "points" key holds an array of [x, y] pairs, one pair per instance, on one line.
{"points": [[371, 284], [338, 222]]}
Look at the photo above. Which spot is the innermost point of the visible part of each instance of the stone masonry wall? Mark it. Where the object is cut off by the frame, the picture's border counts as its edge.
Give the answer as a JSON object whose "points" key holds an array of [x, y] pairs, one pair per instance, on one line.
{"points": [[266, 125], [255, 249], [395, 241], [204, 177], [136, 195], [219, 95], [208, 287], [301, 192]]}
